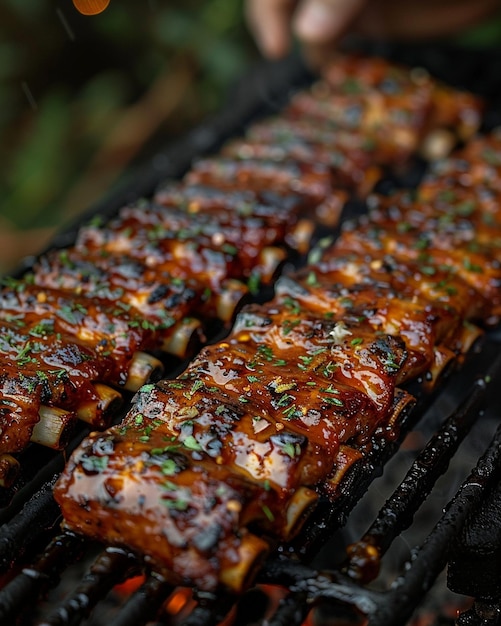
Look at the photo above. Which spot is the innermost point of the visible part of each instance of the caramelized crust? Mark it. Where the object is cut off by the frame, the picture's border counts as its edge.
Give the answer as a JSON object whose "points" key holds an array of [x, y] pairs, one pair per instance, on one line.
{"points": [[360, 359], [158, 235], [19, 411], [134, 484], [212, 422], [280, 411], [312, 182], [114, 332], [310, 404]]}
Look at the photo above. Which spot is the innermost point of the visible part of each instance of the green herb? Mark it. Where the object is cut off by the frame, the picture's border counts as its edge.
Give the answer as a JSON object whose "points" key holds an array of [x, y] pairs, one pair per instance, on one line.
{"points": [[293, 305], [72, 313], [266, 510], [351, 86], [42, 329], [357, 341], [288, 325], [95, 464], [290, 449], [198, 384], [421, 244], [305, 359], [173, 384], [96, 221], [330, 389], [403, 227], [390, 362], [329, 368], [285, 399], [335, 401], [465, 208], [290, 411], [254, 283], [345, 302], [312, 280], [265, 351], [169, 467], [191, 443], [471, 267], [229, 249], [447, 195], [23, 357], [148, 388], [178, 505]]}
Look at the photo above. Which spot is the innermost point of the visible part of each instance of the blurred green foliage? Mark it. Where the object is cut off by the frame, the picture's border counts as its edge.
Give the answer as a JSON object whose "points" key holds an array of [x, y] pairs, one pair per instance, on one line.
{"points": [[67, 79]]}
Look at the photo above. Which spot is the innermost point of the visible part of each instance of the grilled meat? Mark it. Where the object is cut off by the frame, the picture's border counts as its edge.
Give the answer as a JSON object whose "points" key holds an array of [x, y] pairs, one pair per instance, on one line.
{"points": [[281, 410], [114, 332], [211, 421], [196, 242], [188, 518]]}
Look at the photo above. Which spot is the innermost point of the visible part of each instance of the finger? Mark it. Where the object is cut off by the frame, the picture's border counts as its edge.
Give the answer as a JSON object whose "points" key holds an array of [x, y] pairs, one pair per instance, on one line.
{"points": [[320, 22], [269, 21]]}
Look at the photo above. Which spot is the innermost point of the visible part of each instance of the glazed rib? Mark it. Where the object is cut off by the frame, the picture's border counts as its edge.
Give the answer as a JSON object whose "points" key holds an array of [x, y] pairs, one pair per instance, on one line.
{"points": [[280, 411], [195, 513]]}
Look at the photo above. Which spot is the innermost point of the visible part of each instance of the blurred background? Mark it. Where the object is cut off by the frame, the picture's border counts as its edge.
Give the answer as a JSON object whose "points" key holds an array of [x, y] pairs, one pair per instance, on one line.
{"points": [[84, 97]]}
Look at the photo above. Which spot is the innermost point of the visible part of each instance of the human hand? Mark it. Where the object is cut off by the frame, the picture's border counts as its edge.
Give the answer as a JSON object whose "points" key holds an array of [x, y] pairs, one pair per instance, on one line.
{"points": [[320, 24]]}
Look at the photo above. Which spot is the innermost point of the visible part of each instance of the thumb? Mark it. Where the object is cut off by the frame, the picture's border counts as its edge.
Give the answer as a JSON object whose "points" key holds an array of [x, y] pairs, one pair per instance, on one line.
{"points": [[324, 21]]}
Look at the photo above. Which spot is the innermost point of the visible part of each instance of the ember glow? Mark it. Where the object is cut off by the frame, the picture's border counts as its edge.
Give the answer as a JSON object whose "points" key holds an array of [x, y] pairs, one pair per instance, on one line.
{"points": [[90, 7]]}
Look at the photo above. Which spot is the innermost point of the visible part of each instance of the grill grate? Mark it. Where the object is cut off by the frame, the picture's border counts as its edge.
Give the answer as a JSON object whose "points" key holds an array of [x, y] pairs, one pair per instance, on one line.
{"points": [[342, 588], [342, 585]]}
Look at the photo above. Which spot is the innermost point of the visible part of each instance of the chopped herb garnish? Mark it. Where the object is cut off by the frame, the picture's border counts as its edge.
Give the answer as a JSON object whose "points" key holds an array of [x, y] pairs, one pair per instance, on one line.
{"points": [[169, 467], [312, 280], [266, 510], [191, 443], [293, 305], [290, 411], [471, 267], [335, 401], [291, 449], [253, 283], [178, 505], [288, 325], [95, 464]]}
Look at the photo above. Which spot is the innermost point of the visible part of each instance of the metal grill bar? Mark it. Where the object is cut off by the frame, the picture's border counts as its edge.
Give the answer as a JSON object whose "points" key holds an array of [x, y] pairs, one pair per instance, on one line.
{"points": [[40, 512], [110, 568], [397, 514], [432, 557], [44, 574], [145, 603]]}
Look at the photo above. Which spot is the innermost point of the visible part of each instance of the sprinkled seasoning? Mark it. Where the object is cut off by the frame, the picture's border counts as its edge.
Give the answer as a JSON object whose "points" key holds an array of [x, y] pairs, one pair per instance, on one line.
{"points": [[293, 305]]}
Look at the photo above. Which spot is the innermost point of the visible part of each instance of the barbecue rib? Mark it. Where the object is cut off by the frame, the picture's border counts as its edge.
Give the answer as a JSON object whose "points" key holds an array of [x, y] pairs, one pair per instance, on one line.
{"points": [[154, 278], [257, 426], [303, 385]]}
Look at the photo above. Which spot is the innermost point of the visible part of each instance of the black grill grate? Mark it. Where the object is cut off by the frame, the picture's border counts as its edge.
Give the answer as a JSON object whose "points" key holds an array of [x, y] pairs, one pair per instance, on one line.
{"points": [[37, 561], [307, 586]]}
